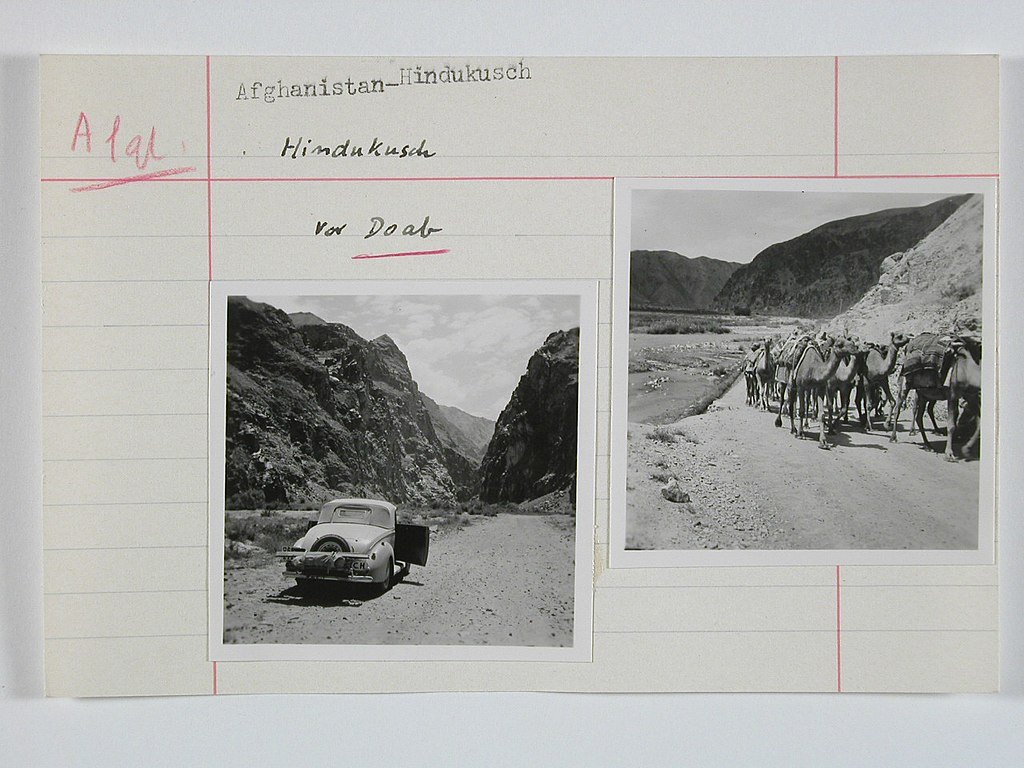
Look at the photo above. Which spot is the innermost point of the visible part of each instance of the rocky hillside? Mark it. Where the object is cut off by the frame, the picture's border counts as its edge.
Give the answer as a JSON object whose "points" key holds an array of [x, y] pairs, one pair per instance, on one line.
{"points": [[316, 411], [463, 432], [533, 451], [933, 286], [667, 280], [820, 273], [305, 318]]}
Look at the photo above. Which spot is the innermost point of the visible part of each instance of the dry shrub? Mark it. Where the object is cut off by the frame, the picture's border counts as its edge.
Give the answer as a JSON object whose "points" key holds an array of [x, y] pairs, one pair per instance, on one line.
{"points": [[662, 435]]}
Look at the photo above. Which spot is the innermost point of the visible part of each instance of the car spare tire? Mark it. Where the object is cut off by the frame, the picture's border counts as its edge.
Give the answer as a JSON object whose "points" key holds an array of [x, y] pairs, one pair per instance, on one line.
{"points": [[331, 543]]}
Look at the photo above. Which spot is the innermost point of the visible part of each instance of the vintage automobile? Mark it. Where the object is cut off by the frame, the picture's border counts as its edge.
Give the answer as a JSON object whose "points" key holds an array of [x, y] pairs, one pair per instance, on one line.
{"points": [[356, 541]]}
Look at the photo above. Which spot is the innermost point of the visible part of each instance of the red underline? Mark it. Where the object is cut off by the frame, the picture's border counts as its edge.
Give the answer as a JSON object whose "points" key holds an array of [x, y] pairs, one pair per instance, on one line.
{"points": [[400, 253], [114, 182]]}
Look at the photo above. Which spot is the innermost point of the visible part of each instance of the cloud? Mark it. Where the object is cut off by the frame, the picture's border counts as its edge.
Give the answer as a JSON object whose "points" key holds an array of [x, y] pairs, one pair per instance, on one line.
{"points": [[463, 350]]}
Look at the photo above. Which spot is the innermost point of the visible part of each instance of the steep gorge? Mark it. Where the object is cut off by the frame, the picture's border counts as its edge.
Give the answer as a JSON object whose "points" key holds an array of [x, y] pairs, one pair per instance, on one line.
{"points": [[533, 451], [315, 411]]}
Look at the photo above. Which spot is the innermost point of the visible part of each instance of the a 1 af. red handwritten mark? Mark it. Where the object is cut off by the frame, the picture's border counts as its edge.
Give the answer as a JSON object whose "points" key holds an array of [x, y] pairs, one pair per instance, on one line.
{"points": [[123, 145], [132, 146]]}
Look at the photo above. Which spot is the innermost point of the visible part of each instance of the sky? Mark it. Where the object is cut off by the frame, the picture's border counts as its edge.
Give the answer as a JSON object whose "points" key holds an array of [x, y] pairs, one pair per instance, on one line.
{"points": [[463, 350], [737, 225]]}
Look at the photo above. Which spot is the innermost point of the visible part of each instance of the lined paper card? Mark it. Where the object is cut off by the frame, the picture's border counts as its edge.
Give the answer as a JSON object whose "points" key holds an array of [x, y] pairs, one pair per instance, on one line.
{"points": [[309, 322]]}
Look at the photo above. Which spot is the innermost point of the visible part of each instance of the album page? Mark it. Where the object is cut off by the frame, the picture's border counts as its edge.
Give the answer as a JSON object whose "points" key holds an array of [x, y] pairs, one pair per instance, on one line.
{"points": [[539, 374]]}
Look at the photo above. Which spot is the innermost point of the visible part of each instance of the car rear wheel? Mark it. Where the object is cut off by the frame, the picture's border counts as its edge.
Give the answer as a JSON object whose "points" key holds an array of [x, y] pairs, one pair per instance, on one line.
{"points": [[389, 578], [331, 543]]}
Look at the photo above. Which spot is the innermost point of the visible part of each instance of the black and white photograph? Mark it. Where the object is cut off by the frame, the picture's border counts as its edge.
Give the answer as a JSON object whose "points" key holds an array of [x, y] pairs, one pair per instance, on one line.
{"points": [[799, 372], [404, 471]]}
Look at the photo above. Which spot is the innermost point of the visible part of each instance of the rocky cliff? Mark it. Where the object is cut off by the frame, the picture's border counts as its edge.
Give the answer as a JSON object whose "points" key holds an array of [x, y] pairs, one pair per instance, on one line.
{"points": [[933, 286], [463, 432], [668, 280], [826, 270], [316, 411], [533, 451]]}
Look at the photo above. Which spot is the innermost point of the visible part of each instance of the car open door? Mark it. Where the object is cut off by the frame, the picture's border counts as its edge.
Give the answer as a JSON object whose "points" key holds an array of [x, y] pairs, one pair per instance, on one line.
{"points": [[412, 543]]}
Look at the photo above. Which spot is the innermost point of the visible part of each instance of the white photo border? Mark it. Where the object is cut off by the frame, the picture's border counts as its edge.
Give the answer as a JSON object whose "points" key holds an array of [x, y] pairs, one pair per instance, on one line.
{"points": [[620, 557], [581, 649]]}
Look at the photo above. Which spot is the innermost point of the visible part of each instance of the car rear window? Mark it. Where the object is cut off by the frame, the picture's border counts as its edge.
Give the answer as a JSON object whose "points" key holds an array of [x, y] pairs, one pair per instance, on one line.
{"points": [[366, 515]]}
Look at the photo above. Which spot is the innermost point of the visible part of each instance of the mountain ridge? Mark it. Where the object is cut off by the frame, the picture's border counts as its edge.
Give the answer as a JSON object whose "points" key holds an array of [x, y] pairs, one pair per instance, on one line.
{"points": [[831, 266], [669, 280], [936, 285], [315, 411], [464, 431]]}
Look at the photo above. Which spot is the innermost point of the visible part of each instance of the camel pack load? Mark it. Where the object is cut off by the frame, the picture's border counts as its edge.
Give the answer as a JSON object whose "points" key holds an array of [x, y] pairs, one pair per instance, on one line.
{"points": [[790, 353], [925, 352]]}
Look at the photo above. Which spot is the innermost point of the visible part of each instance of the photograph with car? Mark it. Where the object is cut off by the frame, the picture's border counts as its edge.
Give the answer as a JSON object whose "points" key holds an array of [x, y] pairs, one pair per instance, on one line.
{"points": [[362, 433]]}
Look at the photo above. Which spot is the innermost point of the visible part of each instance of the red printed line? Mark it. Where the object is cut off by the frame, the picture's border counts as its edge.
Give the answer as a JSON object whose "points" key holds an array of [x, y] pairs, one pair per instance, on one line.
{"points": [[244, 179], [918, 176], [107, 183], [400, 253], [835, 119], [209, 178], [839, 634], [161, 176]]}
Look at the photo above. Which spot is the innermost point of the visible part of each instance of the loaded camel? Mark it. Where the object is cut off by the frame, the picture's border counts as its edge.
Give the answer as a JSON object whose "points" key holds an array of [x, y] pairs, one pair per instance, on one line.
{"points": [[877, 364], [923, 372], [784, 363], [963, 382], [810, 381]]}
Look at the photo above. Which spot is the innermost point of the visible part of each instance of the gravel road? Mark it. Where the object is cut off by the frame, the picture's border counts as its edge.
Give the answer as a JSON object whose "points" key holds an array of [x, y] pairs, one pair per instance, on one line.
{"points": [[755, 486], [504, 580]]}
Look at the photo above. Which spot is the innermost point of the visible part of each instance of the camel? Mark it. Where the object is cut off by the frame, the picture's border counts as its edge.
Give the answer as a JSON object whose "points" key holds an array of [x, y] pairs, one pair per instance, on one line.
{"points": [[764, 368], [809, 384], [748, 373], [841, 385], [928, 407], [877, 364], [781, 379], [784, 366], [963, 382], [927, 383]]}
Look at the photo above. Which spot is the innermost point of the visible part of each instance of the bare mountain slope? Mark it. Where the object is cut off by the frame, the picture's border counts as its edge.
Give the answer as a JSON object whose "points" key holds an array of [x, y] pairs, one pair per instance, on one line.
{"points": [[668, 280], [315, 411], [466, 433], [933, 286], [820, 273]]}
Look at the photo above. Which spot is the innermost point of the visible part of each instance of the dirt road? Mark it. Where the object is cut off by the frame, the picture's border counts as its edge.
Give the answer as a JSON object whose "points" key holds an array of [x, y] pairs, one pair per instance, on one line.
{"points": [[504, 580], [755, 486]]}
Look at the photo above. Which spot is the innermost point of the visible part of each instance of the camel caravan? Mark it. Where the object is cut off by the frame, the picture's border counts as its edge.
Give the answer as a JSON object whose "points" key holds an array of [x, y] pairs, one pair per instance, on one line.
{"points": [[814, 377]]}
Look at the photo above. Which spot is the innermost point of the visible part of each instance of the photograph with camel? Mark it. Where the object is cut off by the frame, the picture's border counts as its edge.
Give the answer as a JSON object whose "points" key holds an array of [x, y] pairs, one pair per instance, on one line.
{"points": [[798, 372]]}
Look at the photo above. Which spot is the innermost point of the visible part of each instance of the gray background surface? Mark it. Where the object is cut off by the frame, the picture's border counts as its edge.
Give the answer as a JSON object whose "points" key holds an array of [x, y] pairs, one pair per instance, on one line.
{"points": [[479, 729]]}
